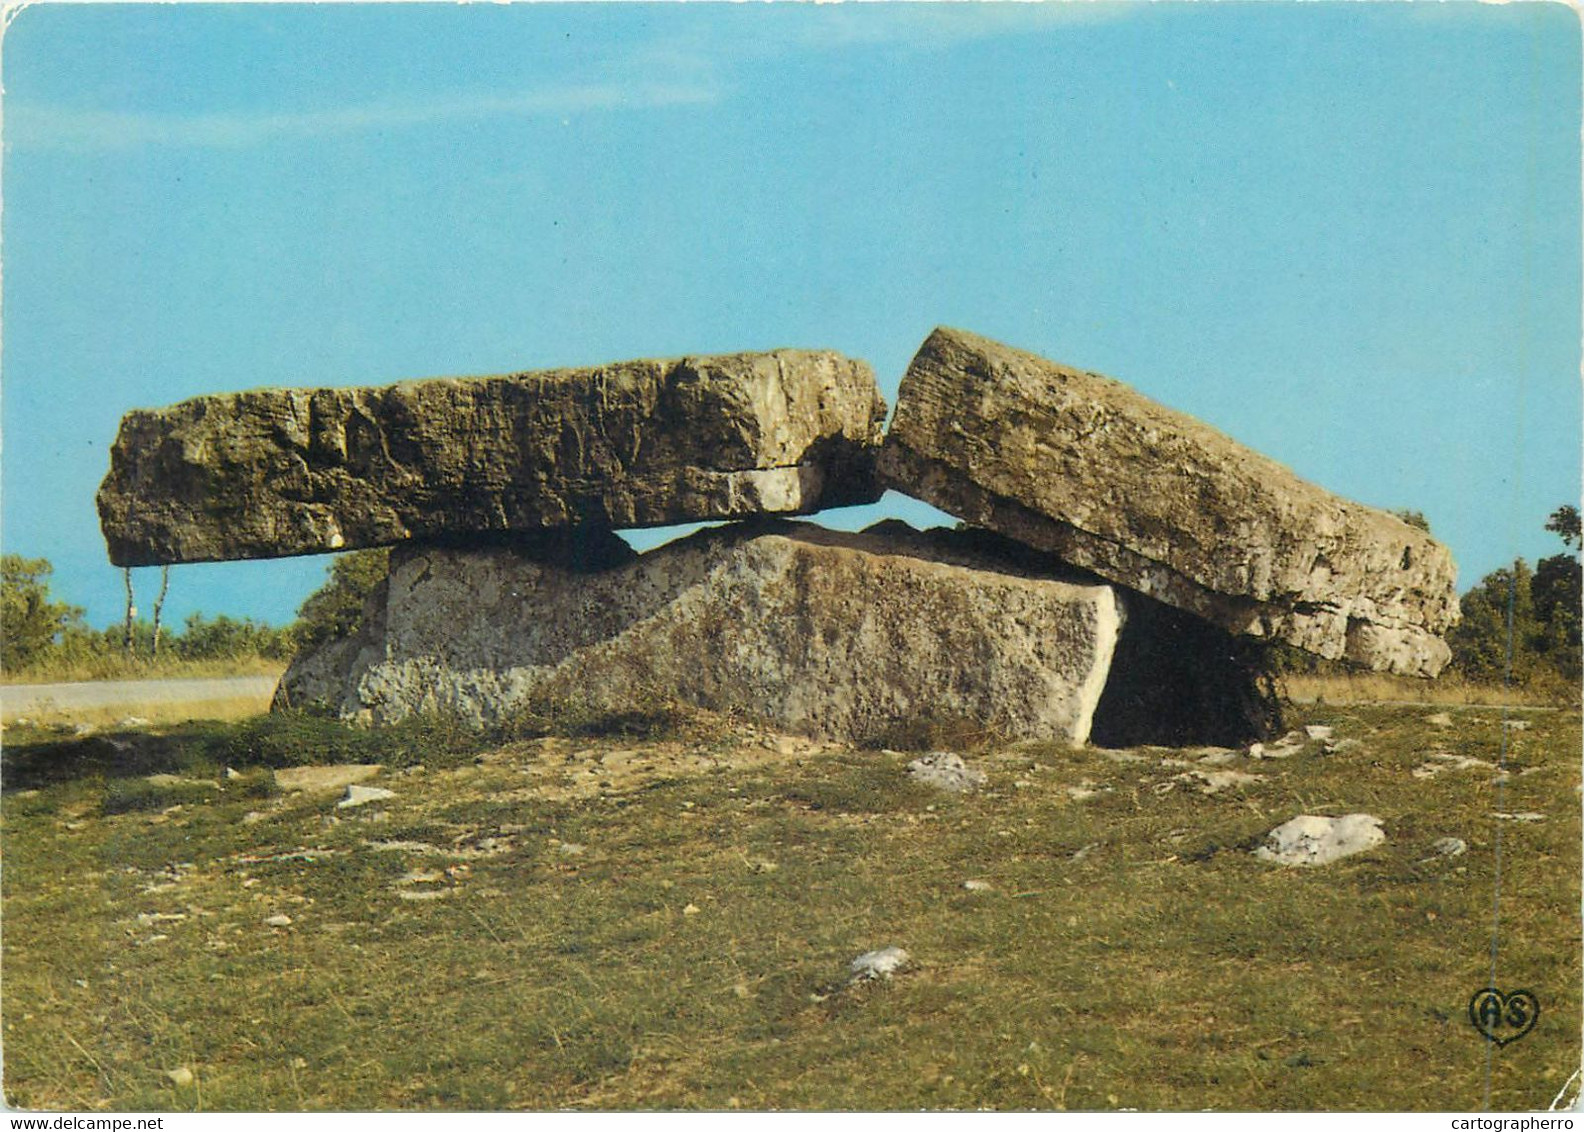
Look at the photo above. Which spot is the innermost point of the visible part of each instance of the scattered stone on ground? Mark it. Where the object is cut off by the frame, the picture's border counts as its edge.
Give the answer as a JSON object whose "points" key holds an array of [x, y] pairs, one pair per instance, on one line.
{"points": [[1152, 499], [182, 1077], [363, 795], [327, 779], [1440, 762], [149, 919], [279, 921], [1080, 854], [1219, 757], [1516, 724], [945, 771], [276, 472], [1215, 781], [878, 964], [129, 721], [1317, 731], [1286, 747], [1311, 839], [1526, 816], [1449, 847], [1087, 789], [978, 886], [1439, 719]]}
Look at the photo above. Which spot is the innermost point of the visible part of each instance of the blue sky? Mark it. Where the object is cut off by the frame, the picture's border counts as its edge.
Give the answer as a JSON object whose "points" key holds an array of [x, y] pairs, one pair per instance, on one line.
{"points": [[1346, 234]]}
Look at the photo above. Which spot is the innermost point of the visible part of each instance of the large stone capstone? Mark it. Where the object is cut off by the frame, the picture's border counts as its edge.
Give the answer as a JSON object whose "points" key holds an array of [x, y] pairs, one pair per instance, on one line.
{"points": [[1081, 466], [278, 472], [848, 636]]}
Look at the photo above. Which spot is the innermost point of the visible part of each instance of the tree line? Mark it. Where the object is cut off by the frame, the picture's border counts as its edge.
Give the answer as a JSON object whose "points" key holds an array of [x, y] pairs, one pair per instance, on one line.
{"points": [[41, 635], [1520, 626]]}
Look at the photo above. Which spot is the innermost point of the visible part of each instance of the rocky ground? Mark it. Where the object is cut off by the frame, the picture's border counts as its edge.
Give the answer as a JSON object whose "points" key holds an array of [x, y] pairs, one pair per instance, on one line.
{"points": [[703, 915]]}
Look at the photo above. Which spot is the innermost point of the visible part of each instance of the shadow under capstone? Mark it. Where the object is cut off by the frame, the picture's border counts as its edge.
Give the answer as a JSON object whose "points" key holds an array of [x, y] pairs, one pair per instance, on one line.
{"points": [[1177, 681]]}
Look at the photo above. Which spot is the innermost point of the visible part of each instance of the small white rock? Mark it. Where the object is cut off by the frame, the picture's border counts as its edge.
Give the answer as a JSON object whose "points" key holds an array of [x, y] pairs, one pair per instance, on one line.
{"points": [[1215, 781], [1450, 846], [363, 795], [977, 885], [1316, 731], [279, 921], [1310, 839], [1523, 817], [879, 964], [1087, 789], [181, 1076], [945, 771]]}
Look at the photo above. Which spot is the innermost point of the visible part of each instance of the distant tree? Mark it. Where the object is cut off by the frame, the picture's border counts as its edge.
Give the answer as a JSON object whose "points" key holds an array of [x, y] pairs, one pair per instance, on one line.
{"points": [[1415, 519], [30, 622], [159, 607], [1558, 589], [336, 608], [1523, 625], [127, 640], [225, 638], [1482, 646], [1565, 522]]}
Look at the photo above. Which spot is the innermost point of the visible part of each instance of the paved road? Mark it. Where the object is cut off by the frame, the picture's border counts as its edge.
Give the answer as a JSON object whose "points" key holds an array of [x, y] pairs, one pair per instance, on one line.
{"points": [[20, 699]]}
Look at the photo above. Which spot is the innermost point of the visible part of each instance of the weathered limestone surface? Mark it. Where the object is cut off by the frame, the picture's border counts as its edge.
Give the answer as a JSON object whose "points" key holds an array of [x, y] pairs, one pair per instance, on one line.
{"points": [[278, 472], [1084, 467], [829, 634]]}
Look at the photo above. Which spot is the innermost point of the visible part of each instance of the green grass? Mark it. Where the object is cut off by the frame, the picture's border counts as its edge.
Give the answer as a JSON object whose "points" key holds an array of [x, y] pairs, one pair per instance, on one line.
{"points": [[1131, 952]]}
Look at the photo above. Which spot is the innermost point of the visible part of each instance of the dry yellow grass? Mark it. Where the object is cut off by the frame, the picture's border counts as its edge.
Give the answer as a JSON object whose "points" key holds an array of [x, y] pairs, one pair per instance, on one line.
{"points": [[154, 714], [1378, 688]]}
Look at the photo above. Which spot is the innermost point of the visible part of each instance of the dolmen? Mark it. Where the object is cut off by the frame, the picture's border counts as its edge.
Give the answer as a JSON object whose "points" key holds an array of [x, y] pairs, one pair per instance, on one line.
{"points": [[1119, 575], [1100, 476], [277, 472]]}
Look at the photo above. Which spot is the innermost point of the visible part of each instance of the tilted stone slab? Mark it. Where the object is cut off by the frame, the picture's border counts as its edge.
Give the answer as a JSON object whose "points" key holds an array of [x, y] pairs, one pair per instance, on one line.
{"points": [[839, 635], [1083, 467], [278, 472]]}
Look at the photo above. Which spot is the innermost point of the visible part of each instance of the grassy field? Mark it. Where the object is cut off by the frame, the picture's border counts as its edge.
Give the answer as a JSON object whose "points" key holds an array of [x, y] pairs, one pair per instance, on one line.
{"points": [[665, 919], [1449, 689]]}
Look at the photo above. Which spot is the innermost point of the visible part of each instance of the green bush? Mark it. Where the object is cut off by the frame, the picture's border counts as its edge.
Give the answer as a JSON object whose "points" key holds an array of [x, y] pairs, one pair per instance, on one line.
{"points": [[30, 623], [336, 608]]}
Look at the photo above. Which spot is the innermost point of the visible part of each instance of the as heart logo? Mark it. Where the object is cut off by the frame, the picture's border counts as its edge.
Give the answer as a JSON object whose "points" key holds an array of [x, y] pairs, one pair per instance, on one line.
{"points": [[1502, 1017]]}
